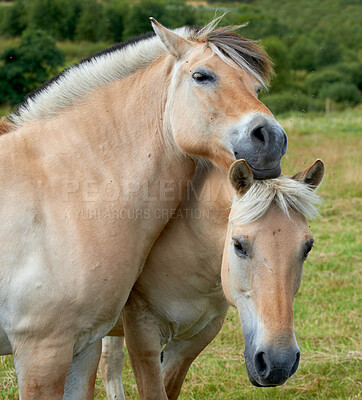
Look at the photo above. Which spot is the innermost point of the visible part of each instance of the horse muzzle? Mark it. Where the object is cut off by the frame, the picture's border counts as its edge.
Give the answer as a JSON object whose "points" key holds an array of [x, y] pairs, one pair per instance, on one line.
{"points": [[270, 365], [262, 142]]}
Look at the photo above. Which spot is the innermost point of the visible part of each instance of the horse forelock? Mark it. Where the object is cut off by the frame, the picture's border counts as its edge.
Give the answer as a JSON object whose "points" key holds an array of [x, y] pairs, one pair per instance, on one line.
{"points": [[125, 58], [287, 193], [246, 53]]}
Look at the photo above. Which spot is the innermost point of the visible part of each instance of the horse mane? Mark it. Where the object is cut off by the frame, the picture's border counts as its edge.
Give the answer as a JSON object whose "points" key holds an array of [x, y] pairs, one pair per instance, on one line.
{"points": [[123, 59], [5, 126], [287, 193]]}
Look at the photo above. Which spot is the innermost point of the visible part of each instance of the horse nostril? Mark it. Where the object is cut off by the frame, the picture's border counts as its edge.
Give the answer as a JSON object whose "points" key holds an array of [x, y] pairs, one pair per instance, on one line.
{"points": [[258, 135], [296, 363], [260, 362], [285, 143], [236, 155]]}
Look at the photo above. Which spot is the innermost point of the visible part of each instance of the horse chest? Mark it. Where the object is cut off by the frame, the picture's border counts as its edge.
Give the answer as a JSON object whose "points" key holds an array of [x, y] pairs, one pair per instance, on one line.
{"points": [[188, 317]]}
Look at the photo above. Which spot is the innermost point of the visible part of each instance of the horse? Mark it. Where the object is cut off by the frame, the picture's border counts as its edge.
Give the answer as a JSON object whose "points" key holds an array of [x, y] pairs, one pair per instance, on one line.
{"points": [[178, 306], [93, 163]]}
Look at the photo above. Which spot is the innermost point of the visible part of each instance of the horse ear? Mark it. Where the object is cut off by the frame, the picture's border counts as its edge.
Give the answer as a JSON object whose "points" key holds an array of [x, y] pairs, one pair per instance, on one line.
{"points": [[240, 176], [311, 176], [173, 42]]}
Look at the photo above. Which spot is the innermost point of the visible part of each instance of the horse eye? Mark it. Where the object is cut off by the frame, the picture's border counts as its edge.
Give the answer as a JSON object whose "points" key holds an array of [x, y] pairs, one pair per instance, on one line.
{"points": [[239, 249], [308, 248], [202, 77]]}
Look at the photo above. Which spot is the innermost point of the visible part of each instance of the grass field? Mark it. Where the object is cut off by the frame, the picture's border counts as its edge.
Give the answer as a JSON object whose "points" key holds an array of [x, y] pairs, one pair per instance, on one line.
{"points": [[328, 304]]}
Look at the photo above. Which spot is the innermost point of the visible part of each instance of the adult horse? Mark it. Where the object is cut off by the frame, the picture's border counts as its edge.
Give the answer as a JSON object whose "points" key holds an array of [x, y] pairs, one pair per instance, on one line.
{"points": [[178, 304], [94, 162]]}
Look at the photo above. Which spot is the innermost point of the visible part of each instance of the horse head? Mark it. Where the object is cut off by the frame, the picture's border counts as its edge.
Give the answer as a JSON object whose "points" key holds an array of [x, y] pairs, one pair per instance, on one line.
{"points": [[212, 107], [267, 242]]}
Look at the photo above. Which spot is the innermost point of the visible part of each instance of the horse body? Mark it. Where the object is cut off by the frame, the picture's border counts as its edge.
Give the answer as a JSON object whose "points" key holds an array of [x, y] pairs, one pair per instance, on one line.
{"points": [[178, 304], [56, 253], [69, 254], [182, 266], [177, 301]]}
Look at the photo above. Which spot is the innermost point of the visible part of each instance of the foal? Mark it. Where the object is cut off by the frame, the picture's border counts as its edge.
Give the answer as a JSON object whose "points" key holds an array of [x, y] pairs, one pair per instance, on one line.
{"points": [[178, 304]]}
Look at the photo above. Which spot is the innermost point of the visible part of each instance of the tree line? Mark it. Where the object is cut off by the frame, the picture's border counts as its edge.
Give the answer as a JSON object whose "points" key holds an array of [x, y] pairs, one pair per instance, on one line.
{"points": [[316, 54], [92, 20]]}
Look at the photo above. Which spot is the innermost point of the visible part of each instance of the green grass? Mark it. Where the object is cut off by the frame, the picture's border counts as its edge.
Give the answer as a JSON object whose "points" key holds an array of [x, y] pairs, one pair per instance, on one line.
{"points": [[328, 305]]}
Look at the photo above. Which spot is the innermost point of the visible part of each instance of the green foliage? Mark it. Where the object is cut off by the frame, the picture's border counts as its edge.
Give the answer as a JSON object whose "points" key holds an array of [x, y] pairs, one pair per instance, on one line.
{"points": [[329, 53], [259, 24], [313, 44], [303, 53], [115, 14], [172, 14], [89, 23], [341, 83], [12, 19], [288, 101], [68, 18], [278, 53], [56, 17], [352, 71], [27, 66], [317, 80], [139, 15], [341, 93]]}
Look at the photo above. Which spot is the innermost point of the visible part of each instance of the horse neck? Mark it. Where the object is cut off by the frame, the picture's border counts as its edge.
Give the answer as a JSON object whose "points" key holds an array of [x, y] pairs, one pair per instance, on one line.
{"points": [[131, 111], [209, 191], [209, 202], [140, 119], [121, 126]]}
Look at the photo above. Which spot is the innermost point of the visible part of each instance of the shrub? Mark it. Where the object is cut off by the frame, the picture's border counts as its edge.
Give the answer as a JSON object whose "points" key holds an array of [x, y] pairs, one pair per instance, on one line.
{"points": [[114, 16], [12, 20], [352, 71], [178, 13], [260, 24], [57, 17], [172, 14], [288, 101], [346, 93], [317, 80], [90, 22], [139, 13], [278, 53], [329, 53], [28, 65], [302, 54]]}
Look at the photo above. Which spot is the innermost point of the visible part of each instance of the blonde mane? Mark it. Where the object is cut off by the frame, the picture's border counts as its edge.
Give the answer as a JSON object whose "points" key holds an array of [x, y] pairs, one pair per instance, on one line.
{"points": [[287, 193], [122, 60]]}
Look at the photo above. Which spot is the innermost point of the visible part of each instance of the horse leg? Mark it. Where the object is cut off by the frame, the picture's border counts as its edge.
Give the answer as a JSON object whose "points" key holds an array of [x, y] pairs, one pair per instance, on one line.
{"points": [[178, 356], [142, 334], [42, 367], [112, 362], [82, 374]]}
